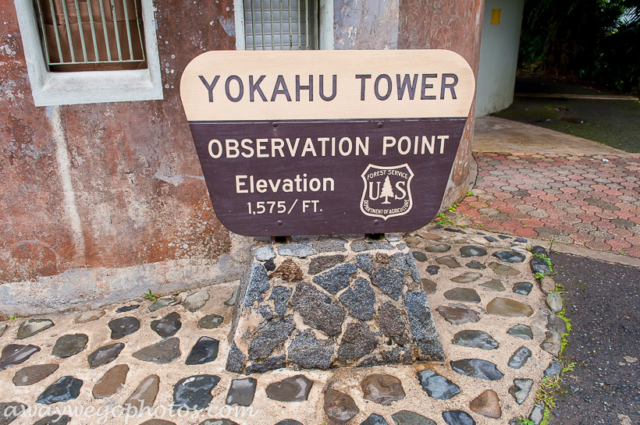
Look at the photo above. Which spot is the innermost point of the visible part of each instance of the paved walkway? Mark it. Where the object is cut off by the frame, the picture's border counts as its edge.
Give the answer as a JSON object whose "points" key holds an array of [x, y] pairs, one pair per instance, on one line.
{"points": [[546, 185]]}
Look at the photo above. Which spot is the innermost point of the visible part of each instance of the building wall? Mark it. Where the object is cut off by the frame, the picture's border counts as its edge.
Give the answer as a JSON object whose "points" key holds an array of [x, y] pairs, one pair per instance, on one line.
{"points": [[101, 202], [499, 56]]}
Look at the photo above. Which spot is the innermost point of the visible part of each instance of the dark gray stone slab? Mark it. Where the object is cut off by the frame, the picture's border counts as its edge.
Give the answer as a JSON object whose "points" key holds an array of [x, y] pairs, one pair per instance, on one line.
{"points": [[467, 277], [476, 265], [391, 324], [321, 263], [383, 389], [123, 326], [64, 389], [163, 352], [111, 382], [364, 263], [70, 345], [217, 422], [105, 355], [466, 295], [9, 412], [437, 248], [15, 354], [491, 239], [295, 388], [472, 251], [437, 386], [554, 369], [269, 266], [433, 270], [328, 244], [523, 288], [374, 419], [235, 359], [318, 310], [30, 327], [448, 261], [359, 299], [3, 328], [357, 342], [361, 245], [539, 250], [309, 352], [194, 392], [457, 417], [242, 392], [144, 395], [413, 266], [168, 325], [269, 335], [33, 374], [538, 265], [127, 308], [521, 331], [510, 256], [337, 278], [552, 343], [519, 358], [422, 327], [475, 339], [204, 351], [257, 285], [406, 417], [458, 314], [338, 406], [477, 368], [53, 420], [390, 281], [298, 250], [262, 366], [210, 321], [419, 256], [280, 296], [521, 389]]}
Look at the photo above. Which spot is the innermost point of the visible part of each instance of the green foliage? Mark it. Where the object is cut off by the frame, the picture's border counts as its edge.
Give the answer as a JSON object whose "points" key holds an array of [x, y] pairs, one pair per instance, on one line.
{"points": [[595, 40], [548, 387], [12, 318], [444, 220], [470, 193], [150, 296], [539, 275], [525, 421], [453, 207]]}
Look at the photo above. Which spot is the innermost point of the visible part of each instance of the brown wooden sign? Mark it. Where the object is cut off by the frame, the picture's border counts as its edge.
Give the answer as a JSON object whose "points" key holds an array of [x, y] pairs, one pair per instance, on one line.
{"points": [[327, 142]]}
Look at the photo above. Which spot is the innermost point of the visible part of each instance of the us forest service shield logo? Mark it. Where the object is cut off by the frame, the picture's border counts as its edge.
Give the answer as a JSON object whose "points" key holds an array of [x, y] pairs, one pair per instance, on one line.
{"points": [[387, 191]]}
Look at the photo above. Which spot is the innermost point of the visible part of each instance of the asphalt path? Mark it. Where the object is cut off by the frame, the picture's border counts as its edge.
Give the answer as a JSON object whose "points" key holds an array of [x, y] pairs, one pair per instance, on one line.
{"points": [[603, 302]]}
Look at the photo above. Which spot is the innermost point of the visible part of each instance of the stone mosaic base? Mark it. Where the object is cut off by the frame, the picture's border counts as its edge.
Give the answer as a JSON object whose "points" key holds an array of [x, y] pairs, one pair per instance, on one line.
{"points": [[496, 326], [320, 303]]}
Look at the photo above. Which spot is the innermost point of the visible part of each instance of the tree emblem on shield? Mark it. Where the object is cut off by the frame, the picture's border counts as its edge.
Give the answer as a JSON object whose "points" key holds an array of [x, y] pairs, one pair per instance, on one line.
{"points": [[387, 191]]}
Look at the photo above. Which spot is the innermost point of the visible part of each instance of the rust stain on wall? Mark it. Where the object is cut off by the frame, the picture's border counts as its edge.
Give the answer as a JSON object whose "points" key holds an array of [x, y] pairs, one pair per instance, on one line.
{"points": [[133, 167]]}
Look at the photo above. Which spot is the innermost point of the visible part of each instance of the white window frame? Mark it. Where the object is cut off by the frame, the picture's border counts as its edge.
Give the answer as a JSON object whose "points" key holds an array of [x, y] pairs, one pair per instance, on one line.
{"points": [[71, 88], [326, 24]]}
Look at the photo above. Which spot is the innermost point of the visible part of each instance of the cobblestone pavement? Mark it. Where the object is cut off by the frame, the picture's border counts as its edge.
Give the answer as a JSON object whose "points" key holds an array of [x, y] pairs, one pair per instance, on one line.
{"points": [[591, 201], [497, 326]]}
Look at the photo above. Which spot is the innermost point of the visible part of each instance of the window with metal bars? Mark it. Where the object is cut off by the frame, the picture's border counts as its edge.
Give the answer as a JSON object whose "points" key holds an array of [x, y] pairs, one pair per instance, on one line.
{"points": [[281, 24], [91, 35]]}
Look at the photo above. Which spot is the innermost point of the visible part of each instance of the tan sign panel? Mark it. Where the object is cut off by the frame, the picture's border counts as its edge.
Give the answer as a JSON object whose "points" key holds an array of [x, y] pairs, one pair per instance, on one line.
{"points": [[326, 142], [295, 85]]}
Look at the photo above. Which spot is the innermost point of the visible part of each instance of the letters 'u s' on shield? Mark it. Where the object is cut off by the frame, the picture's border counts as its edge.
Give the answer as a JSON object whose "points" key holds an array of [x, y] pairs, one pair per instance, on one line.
{"points": [[326, 142]]}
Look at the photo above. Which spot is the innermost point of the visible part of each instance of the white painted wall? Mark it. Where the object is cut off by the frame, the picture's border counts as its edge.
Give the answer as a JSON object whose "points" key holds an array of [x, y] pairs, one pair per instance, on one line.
{"points": [[498, 56]]}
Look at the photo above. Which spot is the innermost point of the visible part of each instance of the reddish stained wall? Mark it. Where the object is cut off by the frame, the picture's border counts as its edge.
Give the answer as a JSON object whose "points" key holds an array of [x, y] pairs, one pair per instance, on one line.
{"points": [[130, 163], [453, 25]]}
